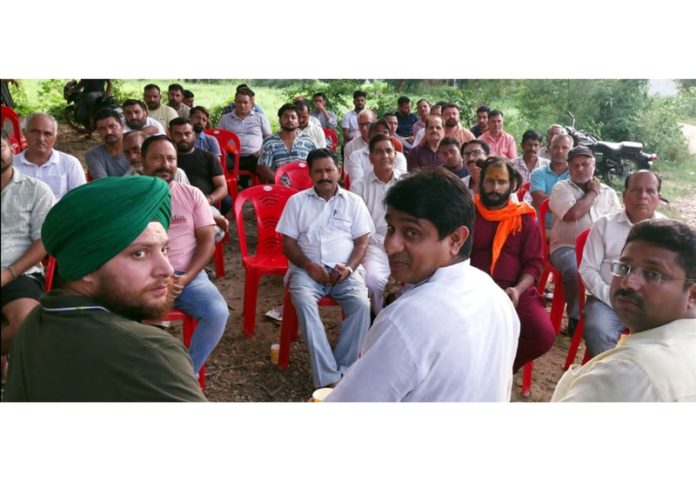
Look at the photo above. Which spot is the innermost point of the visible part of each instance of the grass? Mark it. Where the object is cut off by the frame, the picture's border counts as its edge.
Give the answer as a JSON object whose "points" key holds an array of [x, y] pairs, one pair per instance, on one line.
{"points": [[677, 181]]}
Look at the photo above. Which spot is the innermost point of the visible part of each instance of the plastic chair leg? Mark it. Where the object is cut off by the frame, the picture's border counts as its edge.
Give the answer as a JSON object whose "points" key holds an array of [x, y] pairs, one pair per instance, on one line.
{"points": [[558, 302], [251, 292], [527, 378], [575, 344], [219, 256]]}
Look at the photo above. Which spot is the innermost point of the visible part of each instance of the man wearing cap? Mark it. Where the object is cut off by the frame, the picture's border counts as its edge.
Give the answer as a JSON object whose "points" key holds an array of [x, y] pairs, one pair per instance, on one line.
{"points": [[87, 343], [192, 233], [576, 204]]}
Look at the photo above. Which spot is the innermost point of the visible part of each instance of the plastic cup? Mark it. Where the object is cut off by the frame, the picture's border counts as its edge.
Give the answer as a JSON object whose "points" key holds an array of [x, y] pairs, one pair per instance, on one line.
{"points": [[275, 349], [319, 395]]}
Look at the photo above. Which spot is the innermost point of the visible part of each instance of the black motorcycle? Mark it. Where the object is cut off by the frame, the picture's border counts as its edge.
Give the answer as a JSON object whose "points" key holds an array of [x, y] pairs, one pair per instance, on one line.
{"points": [[614, 161], [83, 122]]}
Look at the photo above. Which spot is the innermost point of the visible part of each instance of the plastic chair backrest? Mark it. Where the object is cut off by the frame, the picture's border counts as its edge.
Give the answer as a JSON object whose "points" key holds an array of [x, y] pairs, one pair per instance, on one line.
{"points": [[297, 173], [229, 144], [523, 190], [268, 201], [579, 246], [331, 138], [9, 115]]}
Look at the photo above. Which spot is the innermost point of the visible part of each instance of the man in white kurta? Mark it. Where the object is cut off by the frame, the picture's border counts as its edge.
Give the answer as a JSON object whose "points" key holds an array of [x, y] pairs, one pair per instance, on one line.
{"points": [[453, 335]]}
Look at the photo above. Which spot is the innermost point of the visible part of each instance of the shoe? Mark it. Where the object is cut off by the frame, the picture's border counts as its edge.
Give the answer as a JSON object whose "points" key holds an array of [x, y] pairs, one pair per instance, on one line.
{"points": [[572, 324], [548, 294], [276, 313]]}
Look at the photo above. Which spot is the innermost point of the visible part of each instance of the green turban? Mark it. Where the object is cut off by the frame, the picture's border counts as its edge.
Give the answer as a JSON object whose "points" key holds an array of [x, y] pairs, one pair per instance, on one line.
{"points": [[94, 222]]}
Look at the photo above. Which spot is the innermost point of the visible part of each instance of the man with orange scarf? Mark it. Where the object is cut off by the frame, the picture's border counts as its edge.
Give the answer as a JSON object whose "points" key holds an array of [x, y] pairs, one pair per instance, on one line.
{"points": [[507, 245]]}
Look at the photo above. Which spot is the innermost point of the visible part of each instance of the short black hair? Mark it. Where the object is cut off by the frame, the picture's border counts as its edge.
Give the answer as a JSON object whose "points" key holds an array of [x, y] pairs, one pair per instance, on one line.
{"points": [[105, 113], [359, 93], [483, 108], [179, 121], [495, 113], [438, 196], [199, 108], [378, 123], [188, 94], [673, 236], [151, 86], [483, 145], [403, 100], [378, 138], [627, 180], [244, 91], [450, 105], [319, 154], [449, 141], [176, 87], [130, 102], [283, 108], [320, 94], [531, 135], [151, 140]]}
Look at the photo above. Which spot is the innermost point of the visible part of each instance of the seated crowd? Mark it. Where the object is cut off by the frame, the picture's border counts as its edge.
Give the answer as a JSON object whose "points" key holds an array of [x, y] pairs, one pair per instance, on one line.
{"points": [[426, 235]]}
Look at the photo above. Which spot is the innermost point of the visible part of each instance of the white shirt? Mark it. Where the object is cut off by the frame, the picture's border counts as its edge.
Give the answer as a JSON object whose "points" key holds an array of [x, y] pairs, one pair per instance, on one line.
{"points": [[564, 196], [325, 230], [452, 337], [649, 366], [356, 144], [149, 122], [372, 191], [62, 172], [316, 133], [358, 164], [604, 244]]}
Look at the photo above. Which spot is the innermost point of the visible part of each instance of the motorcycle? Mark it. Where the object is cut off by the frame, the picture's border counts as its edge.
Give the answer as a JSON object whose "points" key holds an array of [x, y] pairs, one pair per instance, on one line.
{"points": [[614, 161], [82, 123]]}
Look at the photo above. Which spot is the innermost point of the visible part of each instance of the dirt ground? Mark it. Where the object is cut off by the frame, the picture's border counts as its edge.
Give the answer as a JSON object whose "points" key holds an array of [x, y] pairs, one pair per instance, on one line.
{"points": [[240, 368]]}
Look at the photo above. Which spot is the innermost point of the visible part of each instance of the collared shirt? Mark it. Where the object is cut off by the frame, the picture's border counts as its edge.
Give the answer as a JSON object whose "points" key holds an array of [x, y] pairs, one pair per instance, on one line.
{"points": [[208, 143], [359, 165], [325, 230], [329, 123], [564, 196], [405, 124], [251, 130], [190, 211], [62, 172], [316, 133], [417, 127], [372, 191], [275, 153], [423, 157], [25, 204], [657, 365], [544, 179], [356, 144], [350, 121], [451, 338], [521, 166], [604, 244], [149, 122], [503, 146], [461, 134]]}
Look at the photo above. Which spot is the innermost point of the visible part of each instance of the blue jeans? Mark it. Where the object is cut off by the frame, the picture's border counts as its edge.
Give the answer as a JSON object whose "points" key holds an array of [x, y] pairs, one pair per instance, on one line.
{"points": [[351, 295], [564, 260], [602, 326], [203, 301]]}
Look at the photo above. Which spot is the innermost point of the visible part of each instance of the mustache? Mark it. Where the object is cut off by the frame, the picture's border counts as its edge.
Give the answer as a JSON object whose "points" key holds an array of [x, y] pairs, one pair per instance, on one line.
{"points": [[325, 181], [164, 171], [629, 294]]}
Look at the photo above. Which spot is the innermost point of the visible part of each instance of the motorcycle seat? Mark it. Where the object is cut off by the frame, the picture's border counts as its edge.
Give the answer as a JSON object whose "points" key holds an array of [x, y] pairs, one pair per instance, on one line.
{"points": [[618, 149]]}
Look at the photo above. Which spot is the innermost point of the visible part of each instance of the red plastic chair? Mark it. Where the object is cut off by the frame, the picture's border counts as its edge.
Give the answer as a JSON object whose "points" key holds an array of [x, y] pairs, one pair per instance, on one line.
{"points": [[577, 335], [290, 327], [523, 190], [17, 142], [269, 202], [230, 145], [49, 263], [219, 256], [189, 326], [331, 139], [297, 173], [559, 301]]}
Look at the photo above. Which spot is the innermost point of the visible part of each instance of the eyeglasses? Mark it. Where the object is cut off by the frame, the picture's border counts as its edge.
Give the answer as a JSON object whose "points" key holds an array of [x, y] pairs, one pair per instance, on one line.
{"points": [[472, 153], [650, 277]]}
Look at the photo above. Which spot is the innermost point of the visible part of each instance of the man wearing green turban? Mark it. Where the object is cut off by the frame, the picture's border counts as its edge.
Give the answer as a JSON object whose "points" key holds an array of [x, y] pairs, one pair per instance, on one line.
{"points": [[87, 343]]}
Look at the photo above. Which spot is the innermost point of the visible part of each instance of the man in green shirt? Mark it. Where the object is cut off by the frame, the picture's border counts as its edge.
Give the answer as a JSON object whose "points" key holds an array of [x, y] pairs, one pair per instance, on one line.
{"points": [[87, 343]]}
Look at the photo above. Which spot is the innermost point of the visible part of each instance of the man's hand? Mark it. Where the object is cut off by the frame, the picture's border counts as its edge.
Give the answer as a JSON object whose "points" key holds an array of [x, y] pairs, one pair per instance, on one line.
{"points": [[339, 274], [593, 185], [317, 272], [6, 277], [177, 284], [513, 294]]}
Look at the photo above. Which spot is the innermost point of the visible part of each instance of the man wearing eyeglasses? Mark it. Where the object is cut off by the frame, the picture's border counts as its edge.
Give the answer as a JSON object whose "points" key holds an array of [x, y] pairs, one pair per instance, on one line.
{"points": [[653, 291], [640, 197], [576, 204], [474, 153]]}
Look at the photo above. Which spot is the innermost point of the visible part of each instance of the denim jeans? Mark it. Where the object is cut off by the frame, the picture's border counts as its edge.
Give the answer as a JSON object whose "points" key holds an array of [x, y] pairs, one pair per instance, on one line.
{"points": [[351, 295], [602, 326], [202, 300], [564, 260]]}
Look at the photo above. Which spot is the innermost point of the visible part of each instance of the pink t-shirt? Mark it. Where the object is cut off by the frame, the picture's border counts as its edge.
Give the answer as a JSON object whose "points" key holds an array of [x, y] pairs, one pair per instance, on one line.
{"points": [[503, 146], [190, 211]]}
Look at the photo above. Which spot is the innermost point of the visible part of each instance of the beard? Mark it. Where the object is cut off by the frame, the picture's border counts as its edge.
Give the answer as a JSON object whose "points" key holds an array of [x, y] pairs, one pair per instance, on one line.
{"points": [[494, 200], [288, 128], [136, 124], [198, 128], [133, 305], [184, 147], [451, 123]]}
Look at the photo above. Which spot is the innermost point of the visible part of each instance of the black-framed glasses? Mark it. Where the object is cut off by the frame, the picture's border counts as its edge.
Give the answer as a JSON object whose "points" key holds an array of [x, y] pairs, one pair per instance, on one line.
{"points": [[472, 153], [653, 278]]}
